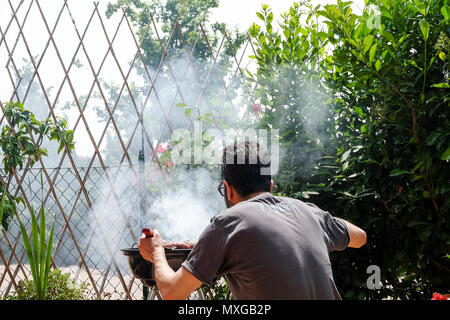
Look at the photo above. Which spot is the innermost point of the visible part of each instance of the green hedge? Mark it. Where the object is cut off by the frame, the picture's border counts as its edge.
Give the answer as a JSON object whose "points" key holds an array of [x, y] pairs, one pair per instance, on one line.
{"points": [[362, 103]]}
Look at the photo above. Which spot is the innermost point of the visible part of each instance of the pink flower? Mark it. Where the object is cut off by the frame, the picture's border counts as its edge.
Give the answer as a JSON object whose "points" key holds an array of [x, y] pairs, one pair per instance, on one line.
{"points": [[162, 149], [135, 180], [256, 109]]}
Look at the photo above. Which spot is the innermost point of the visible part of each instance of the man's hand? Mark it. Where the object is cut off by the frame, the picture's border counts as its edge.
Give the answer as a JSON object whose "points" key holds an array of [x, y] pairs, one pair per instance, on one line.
{"points": [[149, 246], [171, 285]]}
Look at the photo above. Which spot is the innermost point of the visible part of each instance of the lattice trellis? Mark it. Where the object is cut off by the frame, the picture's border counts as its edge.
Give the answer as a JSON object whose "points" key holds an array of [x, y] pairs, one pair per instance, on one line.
{"points": [[72, 192]]}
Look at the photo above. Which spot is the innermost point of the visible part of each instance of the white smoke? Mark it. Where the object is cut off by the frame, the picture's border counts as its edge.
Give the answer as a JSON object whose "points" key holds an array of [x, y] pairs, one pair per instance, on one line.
{"points": [[180, 209], [184, 211]]}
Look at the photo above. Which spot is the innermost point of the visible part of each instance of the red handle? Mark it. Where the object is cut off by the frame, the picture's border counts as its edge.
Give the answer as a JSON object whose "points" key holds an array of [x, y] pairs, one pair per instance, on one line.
{"points": [[147, 233]]}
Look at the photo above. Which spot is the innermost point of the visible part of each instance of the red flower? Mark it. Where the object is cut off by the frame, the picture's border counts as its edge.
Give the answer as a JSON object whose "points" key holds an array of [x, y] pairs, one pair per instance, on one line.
{"points": [[161, 149], [438, 296], [256, 109]]}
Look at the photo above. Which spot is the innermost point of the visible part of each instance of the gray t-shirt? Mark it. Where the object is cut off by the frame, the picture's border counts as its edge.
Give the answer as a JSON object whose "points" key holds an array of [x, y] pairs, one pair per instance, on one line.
{"points": [[270, 247]]}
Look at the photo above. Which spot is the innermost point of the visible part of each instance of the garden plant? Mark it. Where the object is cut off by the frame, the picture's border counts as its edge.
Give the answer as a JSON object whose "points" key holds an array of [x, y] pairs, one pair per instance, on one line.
{"points": [[17, 143], [362, 103]]}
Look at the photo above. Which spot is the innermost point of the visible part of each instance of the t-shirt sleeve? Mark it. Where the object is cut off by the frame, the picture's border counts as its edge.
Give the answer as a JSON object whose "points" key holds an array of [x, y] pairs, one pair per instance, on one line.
{"points": [[337, 233], [335, 229], [207, 256]]}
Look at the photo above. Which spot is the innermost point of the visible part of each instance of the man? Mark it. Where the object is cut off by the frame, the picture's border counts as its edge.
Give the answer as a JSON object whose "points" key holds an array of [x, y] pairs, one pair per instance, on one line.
{"points": [[267, 247]]}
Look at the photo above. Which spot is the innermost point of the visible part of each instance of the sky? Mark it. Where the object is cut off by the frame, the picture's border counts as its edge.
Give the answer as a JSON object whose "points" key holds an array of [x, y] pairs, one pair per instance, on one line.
{"points": [[235, 13]]}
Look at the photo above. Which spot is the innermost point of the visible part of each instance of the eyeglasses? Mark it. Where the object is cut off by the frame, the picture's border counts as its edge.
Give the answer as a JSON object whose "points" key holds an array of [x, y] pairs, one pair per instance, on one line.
{"points": [[221, 189]]}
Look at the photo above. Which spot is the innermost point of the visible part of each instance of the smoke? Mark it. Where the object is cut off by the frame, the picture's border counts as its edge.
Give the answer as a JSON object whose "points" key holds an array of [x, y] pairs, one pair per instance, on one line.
{"points": [[299, 106], [115, 215], [186, 207], [179, 203], [173, 97], [180, 207]]}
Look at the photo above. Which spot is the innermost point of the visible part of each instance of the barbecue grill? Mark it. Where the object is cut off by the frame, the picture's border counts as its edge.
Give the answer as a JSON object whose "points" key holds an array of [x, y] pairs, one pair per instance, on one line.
{"points": [[143, 269]]}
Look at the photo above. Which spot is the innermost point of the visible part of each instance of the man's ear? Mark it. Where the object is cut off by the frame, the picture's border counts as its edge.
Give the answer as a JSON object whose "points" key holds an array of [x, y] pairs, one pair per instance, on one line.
{"points": [[271, 185], [229, 190]]}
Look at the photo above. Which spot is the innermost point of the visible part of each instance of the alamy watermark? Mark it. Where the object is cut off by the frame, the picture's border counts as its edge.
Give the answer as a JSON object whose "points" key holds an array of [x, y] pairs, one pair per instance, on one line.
{"points": [[206, 147], [374, 22], [374, 280]]}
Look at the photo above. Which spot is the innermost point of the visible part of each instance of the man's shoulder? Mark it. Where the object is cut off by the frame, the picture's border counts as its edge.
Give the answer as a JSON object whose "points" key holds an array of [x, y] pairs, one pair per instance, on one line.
{"points": [[299, 203], [293, 202], [228, 215], [242, 210], [239, 211]]}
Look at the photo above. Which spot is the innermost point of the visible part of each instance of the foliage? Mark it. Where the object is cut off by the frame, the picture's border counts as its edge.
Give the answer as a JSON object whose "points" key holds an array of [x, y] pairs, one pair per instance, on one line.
{"points": [[187, 14], [19, 145], [384, 164], [60, 287], [218, 290], [289, 89], [16, 138], [8, 208]]}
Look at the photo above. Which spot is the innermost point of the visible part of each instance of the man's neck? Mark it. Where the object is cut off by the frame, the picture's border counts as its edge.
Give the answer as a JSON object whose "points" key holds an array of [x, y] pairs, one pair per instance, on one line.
{"points": [[252, 195]]}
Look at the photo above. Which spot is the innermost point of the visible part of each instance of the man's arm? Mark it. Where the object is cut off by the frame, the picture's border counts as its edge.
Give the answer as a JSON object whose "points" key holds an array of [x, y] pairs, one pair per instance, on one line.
{"points": [[357, 235], [172, 285]]}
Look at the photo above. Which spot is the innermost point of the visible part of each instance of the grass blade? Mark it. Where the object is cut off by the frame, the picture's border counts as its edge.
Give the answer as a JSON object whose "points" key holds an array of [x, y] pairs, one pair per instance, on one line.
{"points": [[48, 259], [42, 248], [27, 245], [34, 234]]}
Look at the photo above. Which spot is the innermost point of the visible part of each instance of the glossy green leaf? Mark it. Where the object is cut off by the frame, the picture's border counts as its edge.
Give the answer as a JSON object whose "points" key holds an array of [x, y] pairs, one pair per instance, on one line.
{"points": [[433, 138], [389, 37], [368, 40], [420, 5], [398, 172], [364, 128], [424, 28], [345, 155], [260, 16], [378, 65], [372, 53], [446, 155], [445, 10], [441, 85], [358, 110]]}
